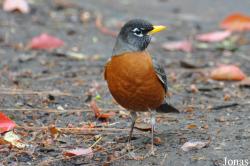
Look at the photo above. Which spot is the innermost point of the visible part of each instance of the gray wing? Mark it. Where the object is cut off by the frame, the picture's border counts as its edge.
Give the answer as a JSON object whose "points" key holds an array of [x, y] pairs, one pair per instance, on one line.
{"points": [[160, 73]]}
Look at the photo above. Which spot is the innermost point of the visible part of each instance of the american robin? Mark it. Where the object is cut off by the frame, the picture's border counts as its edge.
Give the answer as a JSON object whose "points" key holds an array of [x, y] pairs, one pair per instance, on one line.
{"points": [[135, 79]]}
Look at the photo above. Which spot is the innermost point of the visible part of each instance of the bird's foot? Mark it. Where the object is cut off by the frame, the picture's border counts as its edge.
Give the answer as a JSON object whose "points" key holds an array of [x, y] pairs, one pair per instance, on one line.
{"points": [[129, 147], [151, 152]]}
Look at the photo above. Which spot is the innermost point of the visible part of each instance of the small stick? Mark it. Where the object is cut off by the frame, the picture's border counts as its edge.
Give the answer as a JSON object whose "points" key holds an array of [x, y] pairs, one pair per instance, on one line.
{"points": [[47, 110], [224, 106], [29, 92], [72, 130]]}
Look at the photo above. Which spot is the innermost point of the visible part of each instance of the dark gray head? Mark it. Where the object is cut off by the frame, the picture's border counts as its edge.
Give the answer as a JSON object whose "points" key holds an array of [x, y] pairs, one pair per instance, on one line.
{"points": [[135, 35]]}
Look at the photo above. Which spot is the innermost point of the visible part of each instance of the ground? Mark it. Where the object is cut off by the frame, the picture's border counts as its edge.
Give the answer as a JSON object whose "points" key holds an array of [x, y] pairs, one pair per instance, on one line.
{"points": [[39, 89]]}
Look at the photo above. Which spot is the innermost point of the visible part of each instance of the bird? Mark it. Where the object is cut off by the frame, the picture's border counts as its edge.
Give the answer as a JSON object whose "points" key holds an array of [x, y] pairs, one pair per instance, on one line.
{"points": [[134, 77]]}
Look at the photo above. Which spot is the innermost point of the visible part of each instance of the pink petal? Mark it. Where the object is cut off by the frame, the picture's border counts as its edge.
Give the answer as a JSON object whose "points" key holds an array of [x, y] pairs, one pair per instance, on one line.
{"points": [[12, 5], [6, 124], [185, 46], [45, 41], [80, 151], [214, 36], [228, 73]]}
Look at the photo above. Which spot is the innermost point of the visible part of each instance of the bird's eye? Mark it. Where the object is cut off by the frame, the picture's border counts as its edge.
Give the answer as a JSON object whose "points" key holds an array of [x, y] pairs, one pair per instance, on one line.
{"points": [[137, 32]]}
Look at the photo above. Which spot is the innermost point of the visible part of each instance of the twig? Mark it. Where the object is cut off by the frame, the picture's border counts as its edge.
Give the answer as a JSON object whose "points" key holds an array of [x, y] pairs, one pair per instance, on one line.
{"points": [[96, 142], [47, 110], [102, 28], [30, 92], [73, 130], [224, 106]]}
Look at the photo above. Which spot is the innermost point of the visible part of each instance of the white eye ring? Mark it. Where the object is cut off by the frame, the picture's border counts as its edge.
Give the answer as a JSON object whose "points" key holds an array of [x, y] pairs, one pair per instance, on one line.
{"points": [[137, 32]]}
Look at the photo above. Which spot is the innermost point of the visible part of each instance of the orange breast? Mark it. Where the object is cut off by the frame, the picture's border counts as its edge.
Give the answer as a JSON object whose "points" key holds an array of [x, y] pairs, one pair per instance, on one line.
{"points": [[133, 82]]}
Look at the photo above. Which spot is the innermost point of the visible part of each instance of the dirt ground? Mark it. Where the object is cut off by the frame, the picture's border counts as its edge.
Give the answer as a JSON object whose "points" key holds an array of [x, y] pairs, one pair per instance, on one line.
{"points": [[44, 88]]}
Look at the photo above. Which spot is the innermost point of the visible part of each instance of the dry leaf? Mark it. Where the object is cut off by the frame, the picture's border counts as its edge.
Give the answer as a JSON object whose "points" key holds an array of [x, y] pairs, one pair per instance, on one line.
{"points": [[76, 56], [228, 72], [16, 5], [191, 126], [98, 113], [185, 46], [157, 141], [6, 124], [79, 152], [194, 88], [143, 126], [227, 97], [14, 139], [54, 131], [193, 145], [236, 22], [45, 41], [214, 36]]}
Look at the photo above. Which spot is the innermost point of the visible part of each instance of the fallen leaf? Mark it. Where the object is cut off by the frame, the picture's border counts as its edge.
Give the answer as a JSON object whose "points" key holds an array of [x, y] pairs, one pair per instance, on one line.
{"points": [[14, 139], [16, 5], [214, 36], [157, 141], [6, 124], [76, 56], [98, 113], [54, 131], [143, 126], [227, 72], [79, 152], [194, 88], [45, 41], [193, 145], [236, 22], [191, 126], [185, 46], [227, 97]]}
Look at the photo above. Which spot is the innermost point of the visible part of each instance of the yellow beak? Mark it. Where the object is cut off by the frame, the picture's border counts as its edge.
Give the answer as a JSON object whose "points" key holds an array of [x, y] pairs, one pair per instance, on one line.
{"points": [[157, 28]]}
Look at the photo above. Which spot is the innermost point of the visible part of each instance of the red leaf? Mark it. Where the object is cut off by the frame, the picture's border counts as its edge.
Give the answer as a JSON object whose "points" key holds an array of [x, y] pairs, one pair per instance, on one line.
{"points": [[98, 113], [79, 151], [185, 46], [6, 124], [214, 36], [228, 72], [45, 41], [13, 5], [236, 22], [95, 108]]}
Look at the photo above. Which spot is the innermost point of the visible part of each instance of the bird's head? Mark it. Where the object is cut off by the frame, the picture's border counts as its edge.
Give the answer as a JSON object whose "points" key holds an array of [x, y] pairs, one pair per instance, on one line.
{"points": [[136, 34]]}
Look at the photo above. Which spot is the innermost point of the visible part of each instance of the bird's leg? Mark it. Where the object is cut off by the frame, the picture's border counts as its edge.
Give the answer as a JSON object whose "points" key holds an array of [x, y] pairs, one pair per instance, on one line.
{"points": [[133, 116], [152, 131]]}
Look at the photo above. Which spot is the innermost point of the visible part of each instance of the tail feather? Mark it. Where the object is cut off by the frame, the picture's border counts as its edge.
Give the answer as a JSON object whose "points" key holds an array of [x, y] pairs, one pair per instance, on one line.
{"points": [[166, 108]]}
